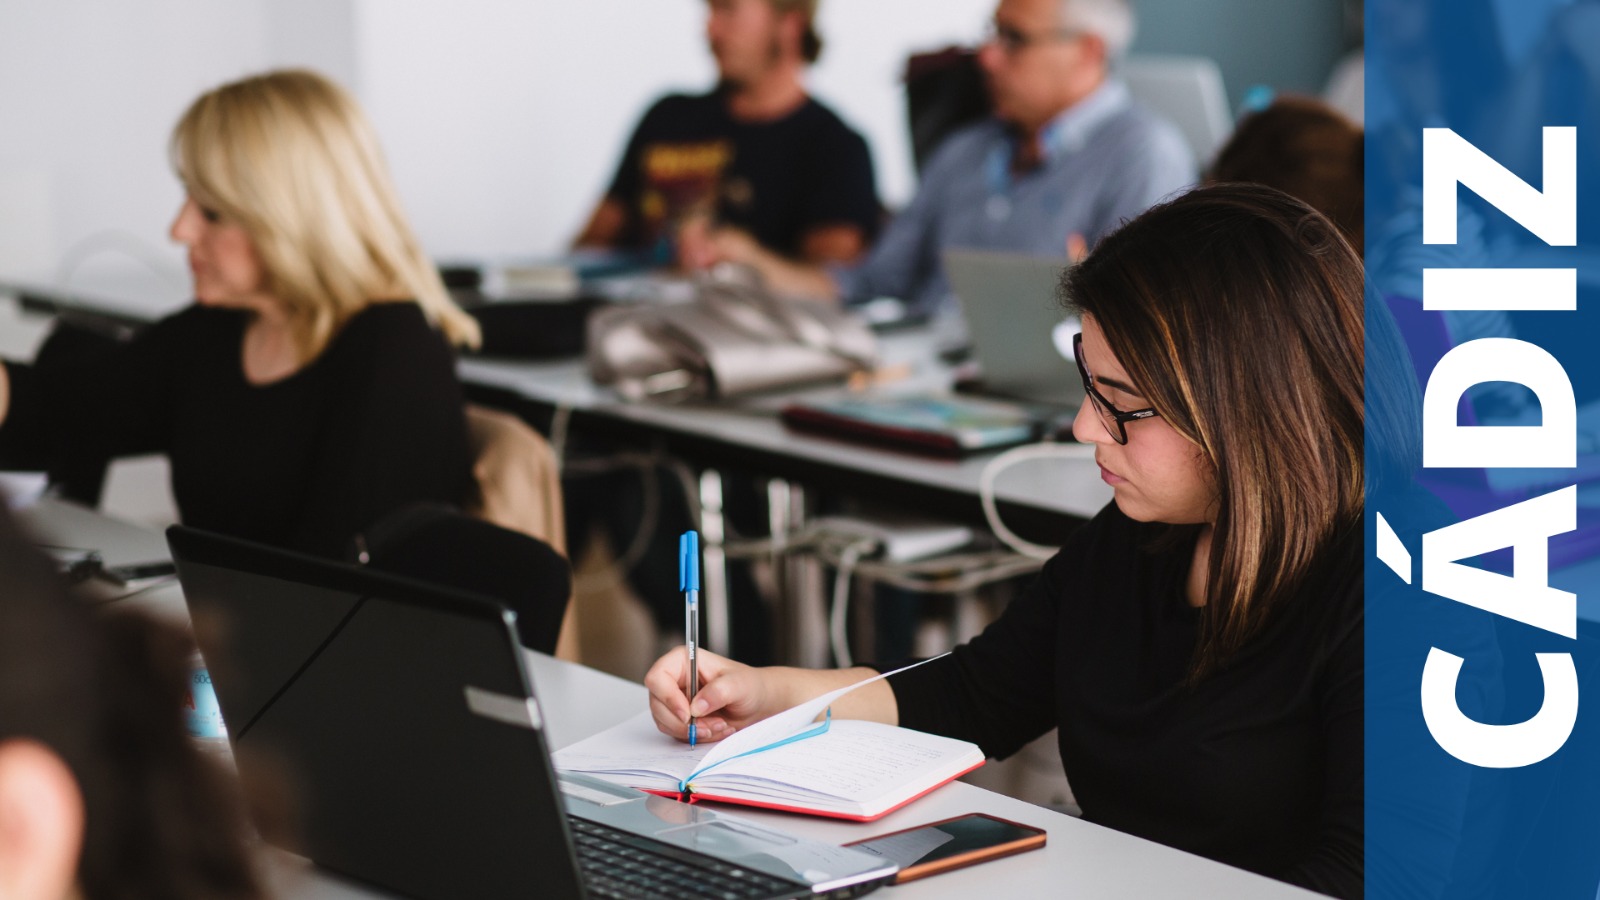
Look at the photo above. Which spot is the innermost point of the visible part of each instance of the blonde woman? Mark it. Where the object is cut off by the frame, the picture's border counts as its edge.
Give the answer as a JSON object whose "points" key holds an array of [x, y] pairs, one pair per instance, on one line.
{"points": [[311, 388]]}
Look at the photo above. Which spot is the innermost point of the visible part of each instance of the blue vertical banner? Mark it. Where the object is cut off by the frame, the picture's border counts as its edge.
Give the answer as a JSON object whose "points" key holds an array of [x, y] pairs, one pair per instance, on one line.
{"points": [[1483, 448]]}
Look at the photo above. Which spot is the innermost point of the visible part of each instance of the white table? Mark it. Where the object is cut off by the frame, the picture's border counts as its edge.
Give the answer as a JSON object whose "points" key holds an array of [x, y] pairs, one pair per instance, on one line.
{"points": [[1040, 499], [1080, 859], [744, 431], [1069, 487]]}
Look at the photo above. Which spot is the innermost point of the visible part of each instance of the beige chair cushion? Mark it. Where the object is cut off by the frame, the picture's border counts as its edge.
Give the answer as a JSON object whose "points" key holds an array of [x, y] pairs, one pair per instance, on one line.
{"points": [[519, 487]]}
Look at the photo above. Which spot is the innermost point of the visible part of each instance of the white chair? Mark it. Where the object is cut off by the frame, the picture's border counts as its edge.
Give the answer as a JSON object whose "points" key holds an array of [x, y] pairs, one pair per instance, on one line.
{"points": [[1187, 91]]}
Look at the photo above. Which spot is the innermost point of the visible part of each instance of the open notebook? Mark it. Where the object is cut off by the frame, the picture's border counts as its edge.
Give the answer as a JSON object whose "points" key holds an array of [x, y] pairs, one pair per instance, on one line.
{"points": [[843, 768]]}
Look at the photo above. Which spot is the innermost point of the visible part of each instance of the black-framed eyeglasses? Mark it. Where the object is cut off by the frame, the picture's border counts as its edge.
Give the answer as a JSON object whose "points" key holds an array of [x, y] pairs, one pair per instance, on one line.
{"points": [[1115, 420], [1014, 40]]}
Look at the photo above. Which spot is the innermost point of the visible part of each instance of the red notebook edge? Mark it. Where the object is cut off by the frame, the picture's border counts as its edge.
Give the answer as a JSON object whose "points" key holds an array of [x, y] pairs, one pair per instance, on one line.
{"points": [[815, 421], [827, 814]]}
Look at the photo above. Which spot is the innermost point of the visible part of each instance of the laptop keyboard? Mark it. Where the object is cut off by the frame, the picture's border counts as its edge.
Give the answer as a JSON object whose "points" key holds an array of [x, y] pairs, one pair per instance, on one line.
{"points": [[616, 864]]}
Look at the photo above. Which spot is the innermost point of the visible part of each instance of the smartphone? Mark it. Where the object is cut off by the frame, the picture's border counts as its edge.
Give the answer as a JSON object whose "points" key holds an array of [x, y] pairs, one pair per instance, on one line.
{"points": [[951, 844]]}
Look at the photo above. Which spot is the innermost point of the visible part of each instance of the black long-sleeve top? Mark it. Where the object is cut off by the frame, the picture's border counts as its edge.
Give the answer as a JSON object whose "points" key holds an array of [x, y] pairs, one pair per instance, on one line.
{"points": [[1258, 766], [376, 421]]}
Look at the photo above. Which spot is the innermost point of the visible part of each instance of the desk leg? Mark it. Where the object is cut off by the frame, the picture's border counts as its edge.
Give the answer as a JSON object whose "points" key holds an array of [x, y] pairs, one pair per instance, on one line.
{"points": [[714, 566], [969, 615], [801, 613]]}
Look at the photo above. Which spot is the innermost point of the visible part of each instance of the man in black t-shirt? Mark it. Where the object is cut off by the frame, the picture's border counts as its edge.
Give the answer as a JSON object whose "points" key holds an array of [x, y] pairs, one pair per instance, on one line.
{"points": [[755, 157], [755, 154]]}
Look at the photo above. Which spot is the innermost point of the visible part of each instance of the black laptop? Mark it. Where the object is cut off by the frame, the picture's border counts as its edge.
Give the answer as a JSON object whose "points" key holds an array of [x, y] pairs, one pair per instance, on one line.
{"points": [[396, 724]]}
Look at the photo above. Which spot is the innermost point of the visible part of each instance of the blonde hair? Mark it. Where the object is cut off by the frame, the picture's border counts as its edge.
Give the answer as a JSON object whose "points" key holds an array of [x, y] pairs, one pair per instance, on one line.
{"points": [[291, 158]]}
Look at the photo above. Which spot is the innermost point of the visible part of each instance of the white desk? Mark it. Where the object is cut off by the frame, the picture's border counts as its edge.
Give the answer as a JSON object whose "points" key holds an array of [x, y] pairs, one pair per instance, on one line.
{"points": [[65, 524], [1069, 486], [1082, 859], [747, 431], [1040, 499]]}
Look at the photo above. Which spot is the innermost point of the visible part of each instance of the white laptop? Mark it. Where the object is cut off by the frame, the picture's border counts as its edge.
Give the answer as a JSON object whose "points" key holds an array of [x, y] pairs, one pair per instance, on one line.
{"points": [[1021, 337]]}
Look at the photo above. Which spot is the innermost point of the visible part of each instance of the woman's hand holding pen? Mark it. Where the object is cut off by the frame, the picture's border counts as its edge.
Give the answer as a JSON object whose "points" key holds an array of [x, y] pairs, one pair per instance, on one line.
{"points": [[732, 695]]}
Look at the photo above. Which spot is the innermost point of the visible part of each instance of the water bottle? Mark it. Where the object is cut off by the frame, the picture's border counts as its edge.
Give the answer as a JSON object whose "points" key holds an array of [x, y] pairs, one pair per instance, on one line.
{"points": [[203, 715]]}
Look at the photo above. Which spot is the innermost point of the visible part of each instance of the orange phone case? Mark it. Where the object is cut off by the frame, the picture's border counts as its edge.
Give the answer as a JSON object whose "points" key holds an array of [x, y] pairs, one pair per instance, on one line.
{"points": [[971, 857]]}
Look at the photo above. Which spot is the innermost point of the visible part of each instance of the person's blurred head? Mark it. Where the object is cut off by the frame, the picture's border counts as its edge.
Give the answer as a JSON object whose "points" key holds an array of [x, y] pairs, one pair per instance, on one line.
{"points": [[751, 38], [222, 259], [289, 199], [1235, 313], [1043, 56], [102, 792], [1306, 149]]}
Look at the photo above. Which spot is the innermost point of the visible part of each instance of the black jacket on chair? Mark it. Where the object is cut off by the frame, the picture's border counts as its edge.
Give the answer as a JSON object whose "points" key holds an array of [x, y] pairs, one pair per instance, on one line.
{"points": [[439, 545]]}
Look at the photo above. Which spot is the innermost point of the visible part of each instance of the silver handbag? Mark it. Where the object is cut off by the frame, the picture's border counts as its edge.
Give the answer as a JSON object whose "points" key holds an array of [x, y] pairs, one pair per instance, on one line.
{"points": [[732, 339]]}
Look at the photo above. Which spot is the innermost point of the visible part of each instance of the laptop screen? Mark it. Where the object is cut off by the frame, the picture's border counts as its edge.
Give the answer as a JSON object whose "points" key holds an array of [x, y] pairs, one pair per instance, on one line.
{"points": [[1021, 336], [374, 733]]}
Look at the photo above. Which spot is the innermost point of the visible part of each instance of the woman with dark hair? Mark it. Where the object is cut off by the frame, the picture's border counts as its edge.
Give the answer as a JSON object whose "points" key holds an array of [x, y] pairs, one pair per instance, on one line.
{"points": [[1199, 642], [102, 793]]}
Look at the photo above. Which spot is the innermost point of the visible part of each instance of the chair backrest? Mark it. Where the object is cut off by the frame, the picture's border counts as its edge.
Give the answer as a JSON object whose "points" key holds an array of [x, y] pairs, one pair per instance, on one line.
{"points": [[519, 478], [438, 545], [519, 487], [1187, 91], [944, 91]]}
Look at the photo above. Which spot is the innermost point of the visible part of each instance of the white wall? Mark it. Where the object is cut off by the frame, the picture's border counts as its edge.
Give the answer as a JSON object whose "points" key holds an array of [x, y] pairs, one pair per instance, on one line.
{"points": [[504, 119], [868, 42], [90, 90]]}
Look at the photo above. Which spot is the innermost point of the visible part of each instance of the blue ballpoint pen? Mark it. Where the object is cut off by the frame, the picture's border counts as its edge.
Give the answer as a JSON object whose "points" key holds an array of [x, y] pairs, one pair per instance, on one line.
{"points": [[689, 583]]}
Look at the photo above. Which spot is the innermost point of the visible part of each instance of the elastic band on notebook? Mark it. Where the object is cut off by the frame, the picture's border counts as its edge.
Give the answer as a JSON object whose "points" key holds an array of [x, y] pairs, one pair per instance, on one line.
{"points": [[686, 787]]}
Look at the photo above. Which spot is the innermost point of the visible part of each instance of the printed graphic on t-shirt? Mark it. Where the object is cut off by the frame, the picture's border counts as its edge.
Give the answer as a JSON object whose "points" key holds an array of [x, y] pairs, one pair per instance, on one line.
{"points": [[679, 179], [776, 180]]}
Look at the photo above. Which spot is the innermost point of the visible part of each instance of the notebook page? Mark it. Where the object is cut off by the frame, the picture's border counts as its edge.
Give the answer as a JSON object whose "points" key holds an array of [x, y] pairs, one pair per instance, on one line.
{"points": [[636, 752], [856, 761], [635, 747], [783, 725]]}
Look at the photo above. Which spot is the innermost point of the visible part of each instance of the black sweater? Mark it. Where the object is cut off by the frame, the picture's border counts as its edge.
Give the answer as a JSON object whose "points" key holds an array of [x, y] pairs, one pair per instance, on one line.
{"points": [[373, 423], [1258, 766]]}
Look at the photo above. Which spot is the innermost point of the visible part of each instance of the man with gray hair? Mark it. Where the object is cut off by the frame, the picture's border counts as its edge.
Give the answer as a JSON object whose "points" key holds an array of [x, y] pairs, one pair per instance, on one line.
{"points": [[1065, 158]]}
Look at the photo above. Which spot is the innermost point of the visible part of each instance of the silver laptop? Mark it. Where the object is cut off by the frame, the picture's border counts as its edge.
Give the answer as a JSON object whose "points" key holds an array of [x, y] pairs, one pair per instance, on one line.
{"points": [[1021, 338], [397, 725]]}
